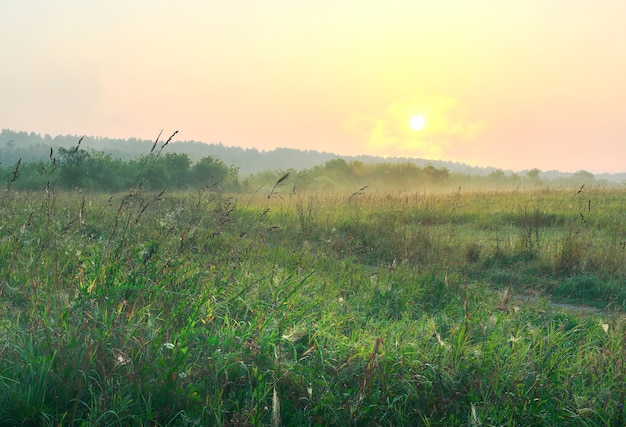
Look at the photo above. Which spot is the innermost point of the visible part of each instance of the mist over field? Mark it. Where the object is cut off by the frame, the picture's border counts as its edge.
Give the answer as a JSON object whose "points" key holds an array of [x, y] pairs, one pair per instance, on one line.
{"points": [[110, 164], [379, 213], [153, 282]]}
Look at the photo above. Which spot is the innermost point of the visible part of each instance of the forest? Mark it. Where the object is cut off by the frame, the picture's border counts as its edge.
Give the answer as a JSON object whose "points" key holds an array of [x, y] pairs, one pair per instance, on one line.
{"points": [[31, 162]]}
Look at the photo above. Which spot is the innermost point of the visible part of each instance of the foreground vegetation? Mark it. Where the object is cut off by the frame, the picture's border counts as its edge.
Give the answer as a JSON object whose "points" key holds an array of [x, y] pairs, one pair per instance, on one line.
{"points": [[202, 308]]}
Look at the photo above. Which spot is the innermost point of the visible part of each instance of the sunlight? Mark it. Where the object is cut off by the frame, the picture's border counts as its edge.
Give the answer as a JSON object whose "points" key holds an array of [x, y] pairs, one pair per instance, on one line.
{"points": [[417, 122], [437, 126]]}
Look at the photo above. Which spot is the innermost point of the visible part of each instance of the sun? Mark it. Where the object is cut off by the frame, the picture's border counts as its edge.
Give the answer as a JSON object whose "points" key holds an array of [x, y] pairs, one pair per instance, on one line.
{"points": [[417, 122]]}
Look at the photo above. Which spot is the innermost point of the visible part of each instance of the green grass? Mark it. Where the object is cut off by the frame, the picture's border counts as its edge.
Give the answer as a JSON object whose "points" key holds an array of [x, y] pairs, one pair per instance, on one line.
{"points": [[323, 309]]}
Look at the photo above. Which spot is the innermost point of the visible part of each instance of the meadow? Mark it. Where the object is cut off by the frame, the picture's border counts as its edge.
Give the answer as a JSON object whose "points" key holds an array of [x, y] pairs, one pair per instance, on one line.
{"points": [[459, 308]]}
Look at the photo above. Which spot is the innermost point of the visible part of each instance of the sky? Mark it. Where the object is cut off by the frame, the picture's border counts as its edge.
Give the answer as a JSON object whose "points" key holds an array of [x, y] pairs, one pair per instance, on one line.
{"points": [[510, 84]]}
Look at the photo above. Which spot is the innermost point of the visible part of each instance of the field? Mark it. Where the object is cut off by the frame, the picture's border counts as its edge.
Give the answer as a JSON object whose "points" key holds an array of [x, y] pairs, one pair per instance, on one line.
{"points": [[272, 308]]}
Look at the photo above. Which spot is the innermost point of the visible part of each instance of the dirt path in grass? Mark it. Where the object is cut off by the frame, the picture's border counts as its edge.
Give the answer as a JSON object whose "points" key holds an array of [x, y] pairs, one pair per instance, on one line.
{"points": [[578, 309]]}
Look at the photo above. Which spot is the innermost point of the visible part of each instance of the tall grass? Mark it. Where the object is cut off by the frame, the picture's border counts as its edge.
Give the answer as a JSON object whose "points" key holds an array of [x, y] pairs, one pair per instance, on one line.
{"points": [[201, 308]]}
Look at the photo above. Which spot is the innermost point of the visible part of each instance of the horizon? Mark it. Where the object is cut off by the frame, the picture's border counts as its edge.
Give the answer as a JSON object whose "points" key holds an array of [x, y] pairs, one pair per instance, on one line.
{"points": [[508, 86], [162, 138]]}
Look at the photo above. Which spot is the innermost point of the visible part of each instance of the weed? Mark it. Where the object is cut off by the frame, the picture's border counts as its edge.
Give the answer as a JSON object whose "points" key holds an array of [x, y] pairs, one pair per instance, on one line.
{"points": [[195, 308]]}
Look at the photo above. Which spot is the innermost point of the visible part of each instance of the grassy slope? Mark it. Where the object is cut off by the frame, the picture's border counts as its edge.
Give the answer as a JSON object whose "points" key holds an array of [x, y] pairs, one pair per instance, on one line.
{"points": [[364, 309]]}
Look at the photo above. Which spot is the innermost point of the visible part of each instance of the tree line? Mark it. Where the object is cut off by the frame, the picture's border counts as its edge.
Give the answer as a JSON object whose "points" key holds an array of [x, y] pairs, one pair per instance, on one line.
{"points": [[79, 169], [74, 167]]}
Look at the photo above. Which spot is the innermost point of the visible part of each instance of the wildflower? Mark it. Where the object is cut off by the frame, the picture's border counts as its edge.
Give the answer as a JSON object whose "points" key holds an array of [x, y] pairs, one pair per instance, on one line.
{"points": [[121, 358], [439, 340]]}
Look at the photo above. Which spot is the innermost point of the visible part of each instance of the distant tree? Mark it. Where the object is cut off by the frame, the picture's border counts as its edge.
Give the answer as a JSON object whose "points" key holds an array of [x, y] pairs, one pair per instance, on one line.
{"points": [[395, 176], [209, 171], [338, 167], [109, 174], [73, 168], [178, 167], [514, 179], [339, 172], [32, 176], [496, 175], [582, 176], [532, 176], [358, 168], [435, 175], [152, 173]]}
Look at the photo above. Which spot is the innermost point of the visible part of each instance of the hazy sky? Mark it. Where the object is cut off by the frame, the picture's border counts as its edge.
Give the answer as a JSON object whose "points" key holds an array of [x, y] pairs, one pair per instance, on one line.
{"points": [[510, 84]]}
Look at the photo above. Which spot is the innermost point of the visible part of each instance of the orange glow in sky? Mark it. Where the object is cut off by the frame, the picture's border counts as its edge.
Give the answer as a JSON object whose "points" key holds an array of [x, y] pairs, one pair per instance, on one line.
{"points": [[515, 85]]}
